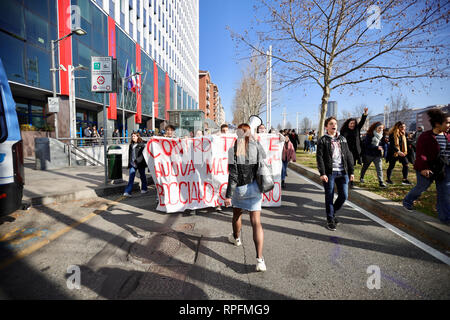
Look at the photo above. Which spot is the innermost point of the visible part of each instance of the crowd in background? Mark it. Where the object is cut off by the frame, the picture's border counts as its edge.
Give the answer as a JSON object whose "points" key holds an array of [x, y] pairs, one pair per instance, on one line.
{"points": [[378, 143]]}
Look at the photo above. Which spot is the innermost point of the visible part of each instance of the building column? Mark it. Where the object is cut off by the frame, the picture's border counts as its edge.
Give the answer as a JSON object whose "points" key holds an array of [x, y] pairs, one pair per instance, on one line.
{"points": [[109, 127], [131, 123]]}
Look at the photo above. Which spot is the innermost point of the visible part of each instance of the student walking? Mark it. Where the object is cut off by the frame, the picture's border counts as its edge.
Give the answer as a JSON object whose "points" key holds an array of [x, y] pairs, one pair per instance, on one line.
{"points": [[335, 165], [243, 191], [397, 151], [373, 152], [351, 130], [287, 156], [433, 164], [136, 162], [294, 139]]}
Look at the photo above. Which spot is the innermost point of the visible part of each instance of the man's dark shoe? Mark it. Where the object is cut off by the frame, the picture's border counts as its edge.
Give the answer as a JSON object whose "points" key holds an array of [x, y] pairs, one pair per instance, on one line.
{"points": [[389, 181], [331, 226], [336, 221], [361, 180], [407, 207], [383, 185], [406, 182], [283, 185]]}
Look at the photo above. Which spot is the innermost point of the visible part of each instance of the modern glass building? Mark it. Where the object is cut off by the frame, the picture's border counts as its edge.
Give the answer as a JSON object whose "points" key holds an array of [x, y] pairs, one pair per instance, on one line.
{"points": [[160, 38]]}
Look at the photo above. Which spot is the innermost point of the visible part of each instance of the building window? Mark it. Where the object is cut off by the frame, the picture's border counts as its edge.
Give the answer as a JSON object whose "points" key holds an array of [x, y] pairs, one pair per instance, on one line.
{"points": [[111, 8], [145, 18], [31, 113]]}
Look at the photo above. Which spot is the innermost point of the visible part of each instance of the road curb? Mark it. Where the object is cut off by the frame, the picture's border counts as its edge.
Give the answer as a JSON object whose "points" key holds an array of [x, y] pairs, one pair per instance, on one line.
{"points": [[102, 191], [393, 212]]}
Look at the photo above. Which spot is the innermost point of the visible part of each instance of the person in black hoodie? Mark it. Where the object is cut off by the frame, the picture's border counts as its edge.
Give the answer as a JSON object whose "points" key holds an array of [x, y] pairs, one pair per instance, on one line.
{"points": [[136, 162], [373, 152], [351, 130], [335, 165]]}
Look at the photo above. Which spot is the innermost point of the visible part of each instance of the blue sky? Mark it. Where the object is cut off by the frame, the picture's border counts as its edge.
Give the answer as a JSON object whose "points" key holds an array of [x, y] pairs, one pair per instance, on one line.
{"points": [[218, 55]]}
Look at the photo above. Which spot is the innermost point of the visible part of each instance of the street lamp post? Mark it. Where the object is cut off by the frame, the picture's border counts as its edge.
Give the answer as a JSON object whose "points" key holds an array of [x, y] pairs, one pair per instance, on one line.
{"points": [[79, 32], [72, 103]]}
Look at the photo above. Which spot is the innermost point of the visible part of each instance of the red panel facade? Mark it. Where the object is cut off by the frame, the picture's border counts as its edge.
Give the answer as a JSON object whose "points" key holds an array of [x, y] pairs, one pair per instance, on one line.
{"points": [[155, 88], [138, 116], [112, 110], [65, 46], [167, 90]]}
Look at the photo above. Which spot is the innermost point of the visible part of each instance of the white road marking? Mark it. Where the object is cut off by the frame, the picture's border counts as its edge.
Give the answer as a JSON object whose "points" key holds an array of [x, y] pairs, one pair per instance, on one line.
{"points": [[435, 253]]}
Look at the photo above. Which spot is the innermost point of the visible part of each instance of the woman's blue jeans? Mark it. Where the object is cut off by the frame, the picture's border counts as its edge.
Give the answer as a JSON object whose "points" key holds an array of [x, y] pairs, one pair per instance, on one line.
{"points": [[442, 190], [283, 169], [129, 187], [340, 178]]}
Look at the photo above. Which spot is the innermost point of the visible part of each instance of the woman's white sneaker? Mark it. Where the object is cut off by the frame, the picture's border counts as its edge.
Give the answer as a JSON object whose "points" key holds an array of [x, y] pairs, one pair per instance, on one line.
{"points": [[260, 265], [237, 242]]}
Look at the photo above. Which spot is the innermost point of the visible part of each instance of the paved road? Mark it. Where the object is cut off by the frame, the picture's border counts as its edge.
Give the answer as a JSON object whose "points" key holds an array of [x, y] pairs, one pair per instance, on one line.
{"points": [[125, 249]]}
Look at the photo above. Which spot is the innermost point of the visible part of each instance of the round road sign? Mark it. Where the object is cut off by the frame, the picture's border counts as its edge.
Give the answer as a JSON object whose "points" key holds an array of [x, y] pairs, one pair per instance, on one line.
{"points": [[101, 80]]}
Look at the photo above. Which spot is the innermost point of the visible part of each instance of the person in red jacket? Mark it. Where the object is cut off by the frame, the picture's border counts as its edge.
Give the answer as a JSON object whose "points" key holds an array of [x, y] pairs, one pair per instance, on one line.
{"points": [[287, 156], [433, 164]]}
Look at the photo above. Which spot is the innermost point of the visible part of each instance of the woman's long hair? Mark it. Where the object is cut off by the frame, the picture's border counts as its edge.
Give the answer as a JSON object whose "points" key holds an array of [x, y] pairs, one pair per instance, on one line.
{"points": [[244, 133], [396, 128], [345, 125], [139, 140], [373, 127]]}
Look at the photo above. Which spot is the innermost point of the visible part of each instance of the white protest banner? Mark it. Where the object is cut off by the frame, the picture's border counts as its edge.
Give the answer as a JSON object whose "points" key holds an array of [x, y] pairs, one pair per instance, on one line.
{"points": [[192, 173]]}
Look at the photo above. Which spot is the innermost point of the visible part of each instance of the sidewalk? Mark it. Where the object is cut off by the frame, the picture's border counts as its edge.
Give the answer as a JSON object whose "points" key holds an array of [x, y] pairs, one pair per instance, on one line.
{"points": [[72, 183], [429, 229]]}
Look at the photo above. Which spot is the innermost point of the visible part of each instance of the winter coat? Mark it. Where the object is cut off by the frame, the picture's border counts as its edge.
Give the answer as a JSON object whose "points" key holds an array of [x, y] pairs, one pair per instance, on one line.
{"points": [[324, 156], [240, 174], [140, 160], [354, 138], [393, 149], [288, 152], [427, 150], [369, 148]]}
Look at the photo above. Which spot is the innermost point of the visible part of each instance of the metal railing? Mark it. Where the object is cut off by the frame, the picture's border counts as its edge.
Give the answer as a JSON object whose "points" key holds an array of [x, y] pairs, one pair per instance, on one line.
{"points": [[77, 147]]}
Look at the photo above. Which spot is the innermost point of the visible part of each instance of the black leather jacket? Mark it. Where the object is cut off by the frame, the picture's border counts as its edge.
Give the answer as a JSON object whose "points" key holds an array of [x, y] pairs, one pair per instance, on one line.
{"points": [[242, 173], [140, 160], [324, 156]]}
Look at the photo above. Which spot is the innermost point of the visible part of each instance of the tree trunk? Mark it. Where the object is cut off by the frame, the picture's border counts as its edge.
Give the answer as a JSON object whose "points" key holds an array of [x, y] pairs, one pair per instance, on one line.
{"points": [[323, 109]]}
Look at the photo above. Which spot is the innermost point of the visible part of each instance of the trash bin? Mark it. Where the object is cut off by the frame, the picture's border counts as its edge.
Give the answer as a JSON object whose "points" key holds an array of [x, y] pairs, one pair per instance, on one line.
{"points": [[114, 163]]}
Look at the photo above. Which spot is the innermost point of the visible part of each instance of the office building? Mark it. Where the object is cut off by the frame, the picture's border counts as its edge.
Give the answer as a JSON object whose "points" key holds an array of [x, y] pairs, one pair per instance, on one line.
{"points": [[332, 109], [208, 97], [160, 38]]}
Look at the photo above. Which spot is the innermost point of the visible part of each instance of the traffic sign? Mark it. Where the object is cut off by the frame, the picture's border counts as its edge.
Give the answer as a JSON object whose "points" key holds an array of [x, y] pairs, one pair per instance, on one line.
{"points": [[101, 74], [53, 105]]}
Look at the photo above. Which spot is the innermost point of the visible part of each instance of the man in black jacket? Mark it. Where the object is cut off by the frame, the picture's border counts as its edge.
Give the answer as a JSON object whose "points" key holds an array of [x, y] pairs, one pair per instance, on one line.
{"points": [[335, 165]]}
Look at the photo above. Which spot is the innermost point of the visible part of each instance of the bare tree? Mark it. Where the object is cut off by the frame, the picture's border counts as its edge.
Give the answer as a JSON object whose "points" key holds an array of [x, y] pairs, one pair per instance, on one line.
{"points": [[399, 108], [250, 96], [346, 114], [340, 43], [305, 125]]}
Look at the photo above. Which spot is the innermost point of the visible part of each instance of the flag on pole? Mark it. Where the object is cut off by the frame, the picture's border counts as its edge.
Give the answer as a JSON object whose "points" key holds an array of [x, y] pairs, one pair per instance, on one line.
{"points": [[127, 74], [133, 80]]}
